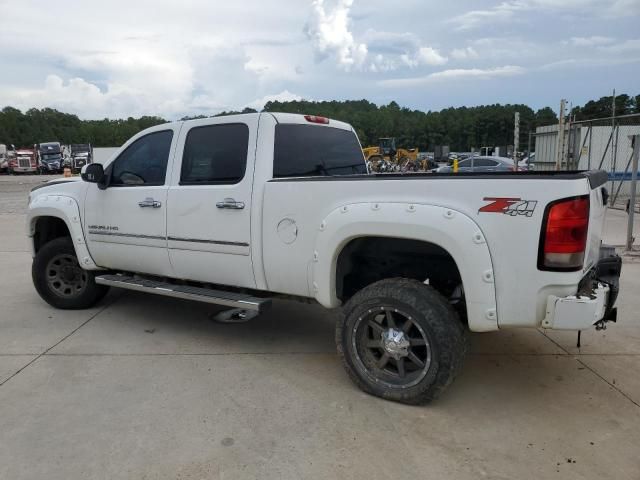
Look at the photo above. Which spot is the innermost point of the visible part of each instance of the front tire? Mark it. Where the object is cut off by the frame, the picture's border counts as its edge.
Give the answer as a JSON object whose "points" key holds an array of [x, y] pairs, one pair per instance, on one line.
{"points": [[59, 279], [401, 340]]}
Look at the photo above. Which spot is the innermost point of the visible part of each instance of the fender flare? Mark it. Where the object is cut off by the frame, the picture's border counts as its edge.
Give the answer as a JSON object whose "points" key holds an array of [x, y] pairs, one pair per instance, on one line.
{"points": [[66, 209], [448, 228]]}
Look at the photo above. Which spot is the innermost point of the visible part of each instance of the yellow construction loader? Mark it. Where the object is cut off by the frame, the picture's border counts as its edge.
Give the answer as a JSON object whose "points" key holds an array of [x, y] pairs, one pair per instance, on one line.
{"points": [[387, 150]]}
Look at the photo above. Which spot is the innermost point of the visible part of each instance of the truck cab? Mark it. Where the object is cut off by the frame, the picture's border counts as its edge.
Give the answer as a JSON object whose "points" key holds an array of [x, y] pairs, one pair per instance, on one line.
{"points": [[50, 157], [25, 161], [81, 155]]}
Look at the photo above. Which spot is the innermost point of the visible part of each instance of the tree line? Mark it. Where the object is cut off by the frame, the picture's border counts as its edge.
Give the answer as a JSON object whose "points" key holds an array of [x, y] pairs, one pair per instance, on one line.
{"points": [[462, 128]]}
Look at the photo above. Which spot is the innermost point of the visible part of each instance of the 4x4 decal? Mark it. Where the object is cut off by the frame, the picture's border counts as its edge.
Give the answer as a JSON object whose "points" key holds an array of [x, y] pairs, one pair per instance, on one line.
{"points": [[509, 206]]}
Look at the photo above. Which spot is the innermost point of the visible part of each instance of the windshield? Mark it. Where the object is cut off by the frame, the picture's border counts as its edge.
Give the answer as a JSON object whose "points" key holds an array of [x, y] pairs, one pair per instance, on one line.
{"points": [[49, 148]]}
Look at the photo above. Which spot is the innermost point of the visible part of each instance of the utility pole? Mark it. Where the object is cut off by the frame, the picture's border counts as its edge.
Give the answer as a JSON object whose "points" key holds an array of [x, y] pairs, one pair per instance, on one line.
{"points": [[614, 138], [516, 139], [560, 143], [635, 140]]}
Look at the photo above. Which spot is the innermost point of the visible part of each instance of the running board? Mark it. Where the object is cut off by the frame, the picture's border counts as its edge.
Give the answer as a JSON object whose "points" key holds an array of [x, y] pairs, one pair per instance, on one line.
{"points": [[199, 294]]}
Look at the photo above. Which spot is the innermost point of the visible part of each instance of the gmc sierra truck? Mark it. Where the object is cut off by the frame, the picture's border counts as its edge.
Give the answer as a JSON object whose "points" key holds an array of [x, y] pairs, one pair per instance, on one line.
{"points": [[238, 210]]}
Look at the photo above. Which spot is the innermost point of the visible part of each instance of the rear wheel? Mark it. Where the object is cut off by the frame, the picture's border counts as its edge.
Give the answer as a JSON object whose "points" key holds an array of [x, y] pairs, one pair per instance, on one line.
{"points": [[60, 280], [401, 340]]}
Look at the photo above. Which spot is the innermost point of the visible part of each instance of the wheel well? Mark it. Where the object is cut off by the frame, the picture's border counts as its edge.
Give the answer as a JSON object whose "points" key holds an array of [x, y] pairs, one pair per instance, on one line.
{"points": [[48, 228], [366, 260]]}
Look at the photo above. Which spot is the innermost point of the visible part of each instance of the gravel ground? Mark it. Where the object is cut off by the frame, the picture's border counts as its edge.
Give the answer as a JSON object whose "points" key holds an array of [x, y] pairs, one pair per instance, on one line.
{"points": [[15, 188]]}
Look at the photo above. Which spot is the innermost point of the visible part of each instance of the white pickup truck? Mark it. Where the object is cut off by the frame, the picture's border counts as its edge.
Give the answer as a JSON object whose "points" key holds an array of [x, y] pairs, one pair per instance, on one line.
{"points": [[238, 210]]}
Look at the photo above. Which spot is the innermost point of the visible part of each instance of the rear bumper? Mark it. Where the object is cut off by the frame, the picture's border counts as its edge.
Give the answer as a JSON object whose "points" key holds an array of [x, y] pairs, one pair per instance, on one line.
{"points": [[595, 300]]}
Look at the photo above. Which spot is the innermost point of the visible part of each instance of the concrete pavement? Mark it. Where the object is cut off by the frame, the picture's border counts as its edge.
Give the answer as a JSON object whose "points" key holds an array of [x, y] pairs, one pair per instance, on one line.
{"points": [[148, 387]]}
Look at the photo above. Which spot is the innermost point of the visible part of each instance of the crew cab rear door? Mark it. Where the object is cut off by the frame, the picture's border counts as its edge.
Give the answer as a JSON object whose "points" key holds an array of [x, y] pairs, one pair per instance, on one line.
{"points": [[209, 201]]}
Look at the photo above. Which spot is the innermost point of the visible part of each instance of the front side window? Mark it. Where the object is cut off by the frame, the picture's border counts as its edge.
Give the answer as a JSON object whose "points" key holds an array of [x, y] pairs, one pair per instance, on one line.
{"points": [[309, 151], [464, 164], [144, 162], [215, 154]]}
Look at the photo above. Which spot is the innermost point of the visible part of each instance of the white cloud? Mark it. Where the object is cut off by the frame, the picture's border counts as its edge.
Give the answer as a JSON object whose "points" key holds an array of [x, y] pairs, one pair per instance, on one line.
{"points": [[378, 51], [430, 56], [329, 32], [423, 56], [77, 95], [581, 63], [284, 96], [507, 48], [464, 53], [506, 11], [628, 46], [454, 74], [500, 13], [590, 41]]}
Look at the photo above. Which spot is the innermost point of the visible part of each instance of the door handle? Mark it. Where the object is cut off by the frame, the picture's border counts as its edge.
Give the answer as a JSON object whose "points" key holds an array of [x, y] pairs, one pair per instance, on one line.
{"points": [[150, 202], [231, 204]]}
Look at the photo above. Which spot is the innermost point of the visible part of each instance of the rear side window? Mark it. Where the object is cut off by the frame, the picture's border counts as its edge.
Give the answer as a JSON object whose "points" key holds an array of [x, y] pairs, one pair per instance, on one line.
{"points": [[484, 162], [144, 162], [309, 150], [215, 154]]}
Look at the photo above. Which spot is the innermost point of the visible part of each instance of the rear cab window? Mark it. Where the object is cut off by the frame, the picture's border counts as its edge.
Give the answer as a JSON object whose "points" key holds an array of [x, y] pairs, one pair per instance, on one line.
{"points": [[311, 151]]}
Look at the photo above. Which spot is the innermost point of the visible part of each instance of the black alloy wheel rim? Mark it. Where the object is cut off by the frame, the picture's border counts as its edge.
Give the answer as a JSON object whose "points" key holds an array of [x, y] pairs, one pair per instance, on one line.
{"points": [[392, 347]]}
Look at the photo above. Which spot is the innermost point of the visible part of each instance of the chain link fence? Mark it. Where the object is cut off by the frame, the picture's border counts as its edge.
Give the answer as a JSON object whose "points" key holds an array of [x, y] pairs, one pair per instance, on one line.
{"points": [[602, 144]]}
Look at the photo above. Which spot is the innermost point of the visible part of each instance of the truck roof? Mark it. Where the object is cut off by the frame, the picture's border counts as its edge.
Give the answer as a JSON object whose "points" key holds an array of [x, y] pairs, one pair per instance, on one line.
{"points": [[283, 118]]}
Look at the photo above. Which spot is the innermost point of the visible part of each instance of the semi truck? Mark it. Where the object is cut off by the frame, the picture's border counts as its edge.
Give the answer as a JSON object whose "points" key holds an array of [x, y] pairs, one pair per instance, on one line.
{"points": [[81, 155], [50, 157]]}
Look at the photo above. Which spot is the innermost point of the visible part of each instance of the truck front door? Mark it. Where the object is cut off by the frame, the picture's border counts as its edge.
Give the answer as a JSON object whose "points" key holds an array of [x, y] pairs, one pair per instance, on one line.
{"points": [[209, 202], [125, 223]]}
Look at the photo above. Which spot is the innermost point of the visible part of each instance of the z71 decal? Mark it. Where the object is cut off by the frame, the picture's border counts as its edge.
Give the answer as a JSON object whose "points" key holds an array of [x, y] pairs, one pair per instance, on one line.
{"points": [[509, 206]]}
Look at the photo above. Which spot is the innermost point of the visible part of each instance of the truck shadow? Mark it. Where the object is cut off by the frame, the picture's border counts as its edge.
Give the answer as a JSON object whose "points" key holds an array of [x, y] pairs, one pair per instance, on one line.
{"points": [[522, 364]]}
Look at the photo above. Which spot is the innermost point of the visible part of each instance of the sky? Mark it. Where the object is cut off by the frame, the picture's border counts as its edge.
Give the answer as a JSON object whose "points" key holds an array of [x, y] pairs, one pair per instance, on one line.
{"points": [[199, 57]]}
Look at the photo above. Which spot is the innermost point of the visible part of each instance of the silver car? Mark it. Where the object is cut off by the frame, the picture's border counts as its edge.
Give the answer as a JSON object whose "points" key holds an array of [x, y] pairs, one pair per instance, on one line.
{"points": [[481, 164]]}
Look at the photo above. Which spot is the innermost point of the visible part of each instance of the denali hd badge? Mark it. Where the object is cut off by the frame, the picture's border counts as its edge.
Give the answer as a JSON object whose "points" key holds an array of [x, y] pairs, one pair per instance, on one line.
{"points": [[509, 206]]}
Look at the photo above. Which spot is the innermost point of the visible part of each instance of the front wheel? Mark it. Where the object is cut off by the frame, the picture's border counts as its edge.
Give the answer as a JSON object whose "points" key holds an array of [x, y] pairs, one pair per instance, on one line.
{"points": [[401, 340], [60, 280]]}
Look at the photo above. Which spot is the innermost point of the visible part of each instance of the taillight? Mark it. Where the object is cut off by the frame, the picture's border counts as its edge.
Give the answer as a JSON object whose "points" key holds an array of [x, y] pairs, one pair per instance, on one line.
{"points": [[563, 240], [316, 119]]}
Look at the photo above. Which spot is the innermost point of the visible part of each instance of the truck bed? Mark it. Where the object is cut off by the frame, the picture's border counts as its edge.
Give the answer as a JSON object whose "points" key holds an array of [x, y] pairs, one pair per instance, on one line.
{"points": [[512, 240]]}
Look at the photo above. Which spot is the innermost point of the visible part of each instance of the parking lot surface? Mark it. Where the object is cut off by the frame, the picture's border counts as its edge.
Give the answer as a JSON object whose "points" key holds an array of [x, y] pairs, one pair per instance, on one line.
{"points": [[150, 387]]}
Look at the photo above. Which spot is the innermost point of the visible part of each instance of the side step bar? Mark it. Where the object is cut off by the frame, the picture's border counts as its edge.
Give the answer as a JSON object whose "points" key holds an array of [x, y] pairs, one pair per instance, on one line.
{"points": [[199, 294]]}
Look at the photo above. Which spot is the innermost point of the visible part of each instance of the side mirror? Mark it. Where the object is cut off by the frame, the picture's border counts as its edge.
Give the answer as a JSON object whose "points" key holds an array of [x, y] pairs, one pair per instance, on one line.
{"points": [[93, 173]]}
